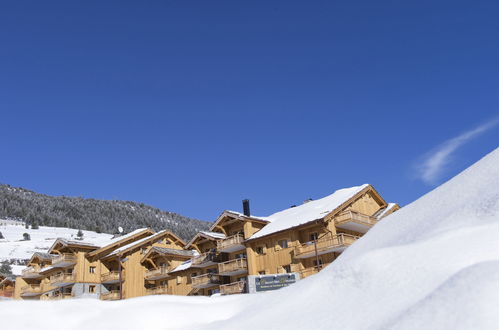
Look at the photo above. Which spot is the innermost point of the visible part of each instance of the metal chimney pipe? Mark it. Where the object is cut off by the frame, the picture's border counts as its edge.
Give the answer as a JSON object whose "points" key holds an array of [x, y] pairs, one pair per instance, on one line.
{"points": [[246, 208]]}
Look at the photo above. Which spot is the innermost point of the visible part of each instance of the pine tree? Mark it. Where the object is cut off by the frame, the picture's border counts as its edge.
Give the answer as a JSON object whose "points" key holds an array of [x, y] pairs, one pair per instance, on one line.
{"points": [[5, 268], [26, 237], [1, 235], [26, 226], [34, 225], [79, 234]]}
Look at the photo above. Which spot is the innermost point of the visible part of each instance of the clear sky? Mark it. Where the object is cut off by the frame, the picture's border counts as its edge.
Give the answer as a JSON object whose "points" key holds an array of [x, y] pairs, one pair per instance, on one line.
{"points": [[191, 106]]}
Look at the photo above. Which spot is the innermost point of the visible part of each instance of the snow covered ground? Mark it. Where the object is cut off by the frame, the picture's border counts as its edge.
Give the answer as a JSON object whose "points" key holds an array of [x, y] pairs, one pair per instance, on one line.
{"points": [[14, 247], [432, 265]]}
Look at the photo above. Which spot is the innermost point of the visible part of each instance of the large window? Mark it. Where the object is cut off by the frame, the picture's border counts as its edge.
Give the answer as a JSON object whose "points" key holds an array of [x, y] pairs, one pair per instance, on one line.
{"points": [[260, 250], [314, 236]]}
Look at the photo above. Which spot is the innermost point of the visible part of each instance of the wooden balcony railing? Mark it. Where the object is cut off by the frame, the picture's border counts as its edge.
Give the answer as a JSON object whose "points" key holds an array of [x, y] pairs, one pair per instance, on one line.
{"points": [[112, 276], [327, 244], [353, 216], [205, 281], [32, 288], [111, 295], [205, 259], [309, 271], [62, 278], [31, 272], [157, 274], [65, 258], [233, 267], [159, 290], [231, 244], [233, 288], [65, 295]]}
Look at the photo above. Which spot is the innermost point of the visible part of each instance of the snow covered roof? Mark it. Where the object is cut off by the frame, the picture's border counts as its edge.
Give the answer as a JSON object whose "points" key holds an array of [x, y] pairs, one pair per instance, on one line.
{"points": [[137, 243], [42, 256], [183, 266], [206, 234], [310, 211], [387, 210], [238, 215], [109, 243], [162, 250]]}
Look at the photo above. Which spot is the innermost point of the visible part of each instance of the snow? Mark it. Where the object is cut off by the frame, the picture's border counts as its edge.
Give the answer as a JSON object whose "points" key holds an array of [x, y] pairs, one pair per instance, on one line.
{"points": [[213, 234], [307, 212], [135, 243], [183, 266], [434, 264], [13, 247], [381, 214]]}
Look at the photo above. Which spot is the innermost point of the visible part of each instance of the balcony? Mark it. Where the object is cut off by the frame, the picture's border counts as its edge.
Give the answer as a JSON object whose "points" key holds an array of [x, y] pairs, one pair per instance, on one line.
{"points": [[231, 244], [64, 260], [205, 281], [309, 271], [62, 279], [233, 267], [7, 293], [31, 272], [159, 290], [355, 221], [111, 295], [326, 244], [233, 288], [112, 277], [205, 260], [31, 290], [157, 274], [60, 296]]}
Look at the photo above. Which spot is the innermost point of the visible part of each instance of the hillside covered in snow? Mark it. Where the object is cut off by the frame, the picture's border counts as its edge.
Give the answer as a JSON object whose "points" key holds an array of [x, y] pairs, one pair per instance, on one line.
{"points": [[91, 214], [15, 249], [432, 265]]}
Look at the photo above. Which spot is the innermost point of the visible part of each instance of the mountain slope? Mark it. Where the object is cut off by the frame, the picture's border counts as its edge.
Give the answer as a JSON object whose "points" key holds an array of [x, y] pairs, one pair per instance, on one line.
{"points": [[91, 214], [434, 264]]}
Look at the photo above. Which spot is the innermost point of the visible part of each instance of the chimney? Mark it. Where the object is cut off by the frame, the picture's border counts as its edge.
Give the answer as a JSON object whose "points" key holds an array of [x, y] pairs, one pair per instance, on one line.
{"points": [[246, 209]]}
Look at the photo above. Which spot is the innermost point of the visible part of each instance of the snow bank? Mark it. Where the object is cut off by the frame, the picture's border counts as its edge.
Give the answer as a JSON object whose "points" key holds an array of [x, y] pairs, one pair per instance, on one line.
{"points": [[432, 265]]}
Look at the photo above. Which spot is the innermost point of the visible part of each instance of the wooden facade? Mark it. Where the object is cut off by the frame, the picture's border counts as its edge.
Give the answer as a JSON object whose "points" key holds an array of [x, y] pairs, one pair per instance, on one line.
{"points": [[214, 261]]}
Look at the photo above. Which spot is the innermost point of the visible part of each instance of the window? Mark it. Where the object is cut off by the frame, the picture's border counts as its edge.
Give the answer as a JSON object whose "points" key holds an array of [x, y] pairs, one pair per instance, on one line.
{"points": [[91, 289], [260, 250], [91, 269], [283, 243], [287, 268], [314, 236], [194, 275], [143, 250], [261, 272], [179, 279]]}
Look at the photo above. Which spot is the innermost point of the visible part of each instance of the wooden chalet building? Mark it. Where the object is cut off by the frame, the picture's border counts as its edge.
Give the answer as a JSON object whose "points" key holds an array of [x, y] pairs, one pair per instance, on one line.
{"points": [[7, 286]]}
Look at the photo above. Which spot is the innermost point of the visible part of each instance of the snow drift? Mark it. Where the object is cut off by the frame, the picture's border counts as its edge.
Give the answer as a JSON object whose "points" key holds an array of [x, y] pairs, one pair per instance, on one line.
{"points": [[434, 265]]}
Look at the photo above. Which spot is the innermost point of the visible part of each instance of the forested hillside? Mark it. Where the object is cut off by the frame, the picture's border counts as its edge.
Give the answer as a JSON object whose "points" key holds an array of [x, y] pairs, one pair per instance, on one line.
{"points": [[91, 214]]}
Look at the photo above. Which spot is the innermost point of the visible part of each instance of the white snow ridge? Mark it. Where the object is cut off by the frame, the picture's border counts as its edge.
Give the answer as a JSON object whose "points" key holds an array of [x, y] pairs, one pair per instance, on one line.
{"points": [[434, 264]]}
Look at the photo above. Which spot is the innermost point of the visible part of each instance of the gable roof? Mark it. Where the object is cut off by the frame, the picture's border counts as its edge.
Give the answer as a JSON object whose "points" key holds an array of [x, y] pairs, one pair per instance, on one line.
{"points": [[120, 241], [236, 215], [168, 252], [144, 241], [73, 243], [310, 211], [41, 256], [183, 266], [210, 235]]}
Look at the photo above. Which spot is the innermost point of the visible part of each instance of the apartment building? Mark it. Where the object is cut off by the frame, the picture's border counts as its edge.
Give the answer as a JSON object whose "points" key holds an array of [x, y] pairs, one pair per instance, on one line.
{"points": [[7, 286]]}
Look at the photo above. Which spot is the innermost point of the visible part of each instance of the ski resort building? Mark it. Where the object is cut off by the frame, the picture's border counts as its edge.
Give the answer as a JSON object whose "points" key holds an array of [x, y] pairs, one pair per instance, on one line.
{"points": [[7, 286], [109, 270]]}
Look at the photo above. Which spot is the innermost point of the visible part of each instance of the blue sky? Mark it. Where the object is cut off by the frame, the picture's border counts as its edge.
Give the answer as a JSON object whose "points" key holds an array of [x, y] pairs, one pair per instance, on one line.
{"points": [[191, 106]]}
